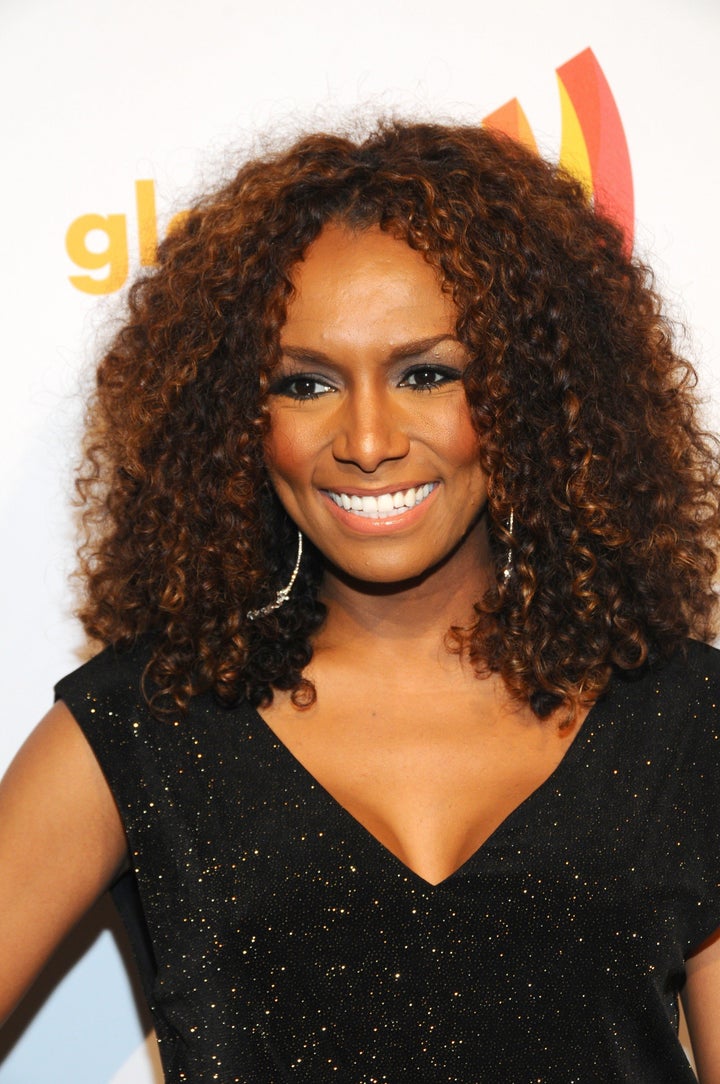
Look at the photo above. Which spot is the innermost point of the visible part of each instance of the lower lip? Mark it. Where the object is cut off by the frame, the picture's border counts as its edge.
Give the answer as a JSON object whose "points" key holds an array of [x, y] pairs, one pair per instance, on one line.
{"points": [[387, 524]]}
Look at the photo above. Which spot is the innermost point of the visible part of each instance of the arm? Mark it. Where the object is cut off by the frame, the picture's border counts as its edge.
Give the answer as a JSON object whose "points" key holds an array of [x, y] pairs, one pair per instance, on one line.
{"points": [[701, 1001], [61, 845]]}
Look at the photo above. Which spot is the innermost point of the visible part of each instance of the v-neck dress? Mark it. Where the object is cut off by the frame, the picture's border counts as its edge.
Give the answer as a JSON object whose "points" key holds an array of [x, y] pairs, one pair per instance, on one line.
{"points": [[278, 940]]}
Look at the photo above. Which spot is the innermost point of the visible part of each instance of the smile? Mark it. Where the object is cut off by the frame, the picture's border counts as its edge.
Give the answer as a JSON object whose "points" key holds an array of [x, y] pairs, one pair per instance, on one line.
{"points": [[385, 504]]}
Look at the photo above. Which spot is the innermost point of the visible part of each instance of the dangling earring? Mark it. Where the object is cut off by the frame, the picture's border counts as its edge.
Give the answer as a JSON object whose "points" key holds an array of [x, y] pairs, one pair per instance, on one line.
{"points": [[508, 570], [284, 593]]}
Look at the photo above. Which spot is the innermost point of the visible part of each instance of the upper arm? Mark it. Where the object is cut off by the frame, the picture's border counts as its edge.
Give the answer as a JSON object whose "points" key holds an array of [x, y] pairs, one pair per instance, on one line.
{"points": [[701, 1001], [61, 844]]}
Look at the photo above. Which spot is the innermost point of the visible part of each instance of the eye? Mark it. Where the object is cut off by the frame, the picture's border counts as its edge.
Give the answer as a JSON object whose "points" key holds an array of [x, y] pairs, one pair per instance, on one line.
{"points": [[300, 386], [427, 377]]}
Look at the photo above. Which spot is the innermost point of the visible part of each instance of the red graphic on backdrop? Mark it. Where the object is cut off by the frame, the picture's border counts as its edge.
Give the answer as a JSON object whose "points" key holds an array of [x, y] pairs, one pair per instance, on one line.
{"points": [[604, 135]]}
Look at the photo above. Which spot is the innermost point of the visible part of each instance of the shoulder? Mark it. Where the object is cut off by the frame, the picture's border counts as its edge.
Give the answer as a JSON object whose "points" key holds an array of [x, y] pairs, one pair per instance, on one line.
{"points": [[670, 709], [105, 697], [114, 671], [699, 658], [687, 681], [684, 700]]}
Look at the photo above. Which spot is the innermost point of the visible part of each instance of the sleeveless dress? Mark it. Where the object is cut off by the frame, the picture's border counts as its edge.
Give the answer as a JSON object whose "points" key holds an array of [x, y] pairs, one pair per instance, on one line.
{"points": [[278, 940]]}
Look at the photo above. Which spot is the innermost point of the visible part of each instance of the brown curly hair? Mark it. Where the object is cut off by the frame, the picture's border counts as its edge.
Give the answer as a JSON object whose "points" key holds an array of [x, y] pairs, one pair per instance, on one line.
{"points": [[586, 416]]}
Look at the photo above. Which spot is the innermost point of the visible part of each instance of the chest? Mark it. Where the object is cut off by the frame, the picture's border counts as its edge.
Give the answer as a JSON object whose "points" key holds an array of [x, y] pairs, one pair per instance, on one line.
{"points": [[430, 780], [275, 863]]}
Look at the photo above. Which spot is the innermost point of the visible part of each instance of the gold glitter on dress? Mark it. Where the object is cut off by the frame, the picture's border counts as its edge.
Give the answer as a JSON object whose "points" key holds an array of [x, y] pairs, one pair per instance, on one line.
{"points": [[279, 941]]}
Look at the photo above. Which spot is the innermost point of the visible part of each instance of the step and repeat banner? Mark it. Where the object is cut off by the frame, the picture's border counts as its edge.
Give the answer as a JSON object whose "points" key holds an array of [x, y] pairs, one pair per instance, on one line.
{"points": [[116, 113]]}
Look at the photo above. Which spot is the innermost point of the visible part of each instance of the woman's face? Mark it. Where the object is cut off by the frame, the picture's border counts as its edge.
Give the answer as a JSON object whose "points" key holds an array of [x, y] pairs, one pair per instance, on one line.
{"points": [[371, 448]]}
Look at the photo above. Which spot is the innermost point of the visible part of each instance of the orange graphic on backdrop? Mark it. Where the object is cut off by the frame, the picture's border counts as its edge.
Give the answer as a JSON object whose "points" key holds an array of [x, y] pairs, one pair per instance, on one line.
{"points": [[593, 148]]}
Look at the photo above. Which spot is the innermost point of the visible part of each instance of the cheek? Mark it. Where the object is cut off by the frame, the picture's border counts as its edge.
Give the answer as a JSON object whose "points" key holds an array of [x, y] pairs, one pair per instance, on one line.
{"points": [[461, 451], [278, 460], [457, 440], [284, 448], [292, 453], [284, 477]]}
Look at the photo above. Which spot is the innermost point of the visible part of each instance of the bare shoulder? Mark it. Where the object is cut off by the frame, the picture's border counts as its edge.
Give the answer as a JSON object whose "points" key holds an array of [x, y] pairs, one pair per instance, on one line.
{"points": [[61, 845]]}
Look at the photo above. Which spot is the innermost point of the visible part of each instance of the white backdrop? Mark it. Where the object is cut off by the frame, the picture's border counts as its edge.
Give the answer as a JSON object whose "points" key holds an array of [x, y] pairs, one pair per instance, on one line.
{"points": [[100, 96]]}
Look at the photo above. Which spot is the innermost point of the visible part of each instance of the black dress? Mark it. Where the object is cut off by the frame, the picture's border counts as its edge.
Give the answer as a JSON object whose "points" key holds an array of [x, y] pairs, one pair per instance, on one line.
{"points": [[280, 941]]}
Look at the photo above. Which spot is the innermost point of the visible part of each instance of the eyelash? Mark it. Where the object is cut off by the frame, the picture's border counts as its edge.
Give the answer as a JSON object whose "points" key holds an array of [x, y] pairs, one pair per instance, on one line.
{"points": [[448, 376], [284, 386]]}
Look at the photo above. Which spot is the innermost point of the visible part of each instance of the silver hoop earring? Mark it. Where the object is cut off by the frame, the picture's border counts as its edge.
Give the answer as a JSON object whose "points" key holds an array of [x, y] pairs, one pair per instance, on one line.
{"points": [[508, 570], [284, 593]]}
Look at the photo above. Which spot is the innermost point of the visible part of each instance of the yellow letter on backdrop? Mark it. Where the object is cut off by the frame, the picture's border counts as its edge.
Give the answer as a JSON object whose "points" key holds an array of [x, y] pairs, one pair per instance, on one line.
{"points": [[114, 256]]}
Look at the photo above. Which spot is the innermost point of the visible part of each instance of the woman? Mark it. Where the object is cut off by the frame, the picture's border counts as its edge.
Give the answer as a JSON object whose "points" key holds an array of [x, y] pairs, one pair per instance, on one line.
{"points": [[403, 760]]}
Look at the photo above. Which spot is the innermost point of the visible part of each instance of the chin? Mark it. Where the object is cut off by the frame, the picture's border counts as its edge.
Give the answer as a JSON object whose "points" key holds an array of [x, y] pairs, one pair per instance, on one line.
{"points": [[387, 578]]}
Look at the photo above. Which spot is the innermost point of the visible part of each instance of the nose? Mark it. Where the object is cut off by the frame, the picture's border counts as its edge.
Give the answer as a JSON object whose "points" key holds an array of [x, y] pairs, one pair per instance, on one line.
{"points": [[370, 430]]}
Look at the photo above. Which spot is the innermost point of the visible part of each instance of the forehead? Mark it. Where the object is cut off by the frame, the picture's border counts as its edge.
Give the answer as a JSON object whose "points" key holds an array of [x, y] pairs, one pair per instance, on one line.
{"points": [[365, 284]]}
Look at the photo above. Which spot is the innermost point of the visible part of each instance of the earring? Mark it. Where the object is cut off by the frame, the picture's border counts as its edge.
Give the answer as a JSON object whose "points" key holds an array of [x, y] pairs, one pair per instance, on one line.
{"points": [[284, 593], [508, 570]]}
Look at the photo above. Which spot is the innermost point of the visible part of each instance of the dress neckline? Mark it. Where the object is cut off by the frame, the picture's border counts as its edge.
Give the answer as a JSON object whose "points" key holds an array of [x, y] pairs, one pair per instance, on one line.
{"points": [[580, 743]]}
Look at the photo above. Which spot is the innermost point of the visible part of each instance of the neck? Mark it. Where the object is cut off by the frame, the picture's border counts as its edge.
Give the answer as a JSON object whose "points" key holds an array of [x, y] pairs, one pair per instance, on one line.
{"points": [[418, 613]]}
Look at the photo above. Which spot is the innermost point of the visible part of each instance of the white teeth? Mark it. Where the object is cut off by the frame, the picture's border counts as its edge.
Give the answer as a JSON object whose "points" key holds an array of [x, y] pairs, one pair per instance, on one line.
{"points": [[383, 505]]}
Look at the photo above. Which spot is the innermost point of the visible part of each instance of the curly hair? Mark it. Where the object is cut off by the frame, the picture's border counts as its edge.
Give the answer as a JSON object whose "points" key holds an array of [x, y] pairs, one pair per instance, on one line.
{"points": [[587, 421]]}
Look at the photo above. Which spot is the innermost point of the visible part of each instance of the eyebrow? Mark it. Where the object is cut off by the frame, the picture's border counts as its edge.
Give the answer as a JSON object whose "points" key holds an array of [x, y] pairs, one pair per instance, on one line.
{"points": [[399, 353]]}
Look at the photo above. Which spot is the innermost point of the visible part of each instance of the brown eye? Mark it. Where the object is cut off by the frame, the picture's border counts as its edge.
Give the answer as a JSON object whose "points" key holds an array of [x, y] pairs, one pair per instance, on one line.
{"points": [[300, 386], [425, 377]]}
